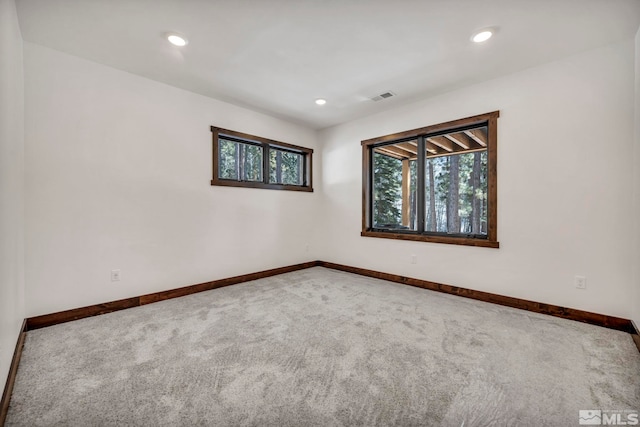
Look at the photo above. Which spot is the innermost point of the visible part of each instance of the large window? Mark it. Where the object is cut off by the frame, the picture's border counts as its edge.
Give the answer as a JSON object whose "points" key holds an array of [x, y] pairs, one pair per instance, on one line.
{"points": [[241, 160], [434, 184]]}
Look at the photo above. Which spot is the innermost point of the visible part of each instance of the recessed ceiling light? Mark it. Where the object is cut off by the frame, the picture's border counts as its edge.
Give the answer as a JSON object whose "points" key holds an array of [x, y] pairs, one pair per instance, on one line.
{"points": [[321, 101], [177, 39], [482, 36]]}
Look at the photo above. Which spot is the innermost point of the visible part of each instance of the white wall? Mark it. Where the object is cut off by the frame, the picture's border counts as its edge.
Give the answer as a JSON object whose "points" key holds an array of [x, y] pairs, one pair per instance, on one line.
{"points": [[565, 137], [118, 172], [636, 194], [11, 185]]}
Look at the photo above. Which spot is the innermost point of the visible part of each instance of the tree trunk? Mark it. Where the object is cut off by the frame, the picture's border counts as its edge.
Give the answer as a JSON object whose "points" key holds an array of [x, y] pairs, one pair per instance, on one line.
{"points": [[453, 217], [432, 225], [406, 190], [414, 208], [476, 206]]}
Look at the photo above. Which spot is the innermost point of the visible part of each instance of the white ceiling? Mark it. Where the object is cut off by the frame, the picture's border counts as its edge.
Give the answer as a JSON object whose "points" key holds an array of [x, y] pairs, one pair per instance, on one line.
{"points": [[278, 56]]}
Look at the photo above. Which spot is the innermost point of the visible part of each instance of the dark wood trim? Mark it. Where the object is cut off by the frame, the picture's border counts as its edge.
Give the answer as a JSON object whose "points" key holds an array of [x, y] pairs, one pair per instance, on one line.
{"points": [[38, 322], [414, 133], [310, 171], [259, 139], [95, 310], [492, 180], [13, 371], [255, 184], [215, 151], [265, 143], [483, 243], [366, 187], [606, 321], [610, 322], [187, 290], [490, 120]]}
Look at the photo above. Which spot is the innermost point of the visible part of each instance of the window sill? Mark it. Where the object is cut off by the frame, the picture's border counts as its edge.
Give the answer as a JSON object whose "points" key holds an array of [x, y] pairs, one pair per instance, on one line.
{"points": [[433, 239], [248, 184]]}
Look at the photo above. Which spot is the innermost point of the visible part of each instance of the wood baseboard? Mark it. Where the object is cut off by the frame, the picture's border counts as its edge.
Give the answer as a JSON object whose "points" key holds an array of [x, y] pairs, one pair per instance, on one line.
{"points": [[13, 371], [611, 322], [109, 307], [606, 321]]}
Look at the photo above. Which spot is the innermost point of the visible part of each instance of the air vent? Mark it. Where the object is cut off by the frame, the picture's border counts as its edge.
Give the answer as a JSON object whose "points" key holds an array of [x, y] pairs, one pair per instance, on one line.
{"points": [[383, 96]]}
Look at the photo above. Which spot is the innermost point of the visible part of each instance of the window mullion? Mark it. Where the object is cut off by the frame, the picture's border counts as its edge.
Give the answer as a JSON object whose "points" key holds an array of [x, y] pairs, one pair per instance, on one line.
{"points": [[266, 148], [421, 187]]}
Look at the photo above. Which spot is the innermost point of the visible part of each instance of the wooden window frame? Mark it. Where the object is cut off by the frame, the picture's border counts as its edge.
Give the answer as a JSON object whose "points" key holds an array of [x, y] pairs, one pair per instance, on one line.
{"points": [[267, 145], [491, 240]]}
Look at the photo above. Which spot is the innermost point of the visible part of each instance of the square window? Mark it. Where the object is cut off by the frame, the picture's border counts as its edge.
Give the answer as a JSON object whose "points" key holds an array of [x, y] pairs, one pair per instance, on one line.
{"points": [[286, 167], [240, 162]]}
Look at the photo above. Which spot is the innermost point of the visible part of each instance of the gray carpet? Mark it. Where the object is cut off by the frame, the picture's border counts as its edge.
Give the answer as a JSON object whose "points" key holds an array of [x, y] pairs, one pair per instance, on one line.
{"points": [[322, 348]]}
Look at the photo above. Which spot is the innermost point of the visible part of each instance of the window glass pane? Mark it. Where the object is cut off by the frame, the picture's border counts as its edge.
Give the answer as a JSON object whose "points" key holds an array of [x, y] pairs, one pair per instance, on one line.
{"points": [[240, 162], [456, 183], [394, 186], [286, 167]]}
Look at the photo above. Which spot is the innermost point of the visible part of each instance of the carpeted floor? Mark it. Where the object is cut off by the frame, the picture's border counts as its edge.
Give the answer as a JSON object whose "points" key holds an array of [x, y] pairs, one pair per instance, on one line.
{"points": [[322, 348]]}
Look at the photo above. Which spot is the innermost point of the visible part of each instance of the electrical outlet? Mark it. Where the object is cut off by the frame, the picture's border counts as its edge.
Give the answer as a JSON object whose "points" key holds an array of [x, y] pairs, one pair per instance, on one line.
{"points": [[580, 282], [414, 259], [115, 275]]}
